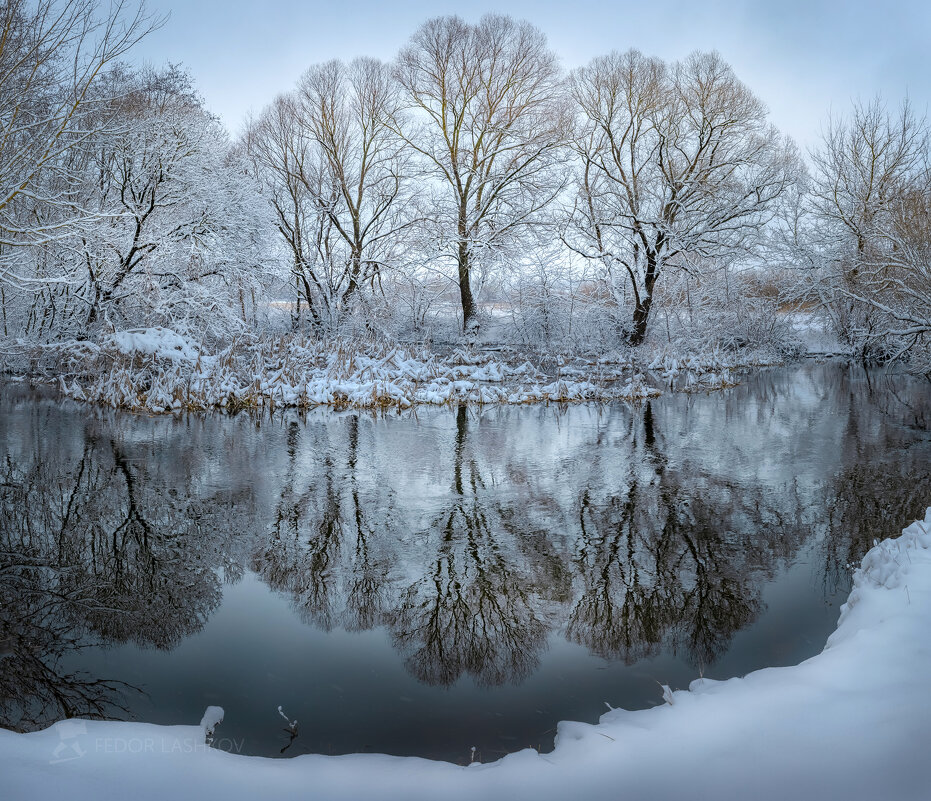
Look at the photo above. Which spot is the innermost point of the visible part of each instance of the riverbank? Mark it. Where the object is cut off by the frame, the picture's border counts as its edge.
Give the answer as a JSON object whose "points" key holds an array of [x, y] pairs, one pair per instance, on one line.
{"points": [[851, 723], [159, 371]]}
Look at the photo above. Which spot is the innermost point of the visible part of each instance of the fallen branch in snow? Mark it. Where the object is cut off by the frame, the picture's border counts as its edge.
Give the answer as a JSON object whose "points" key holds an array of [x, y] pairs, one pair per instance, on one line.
{"points": [[292, 724]]}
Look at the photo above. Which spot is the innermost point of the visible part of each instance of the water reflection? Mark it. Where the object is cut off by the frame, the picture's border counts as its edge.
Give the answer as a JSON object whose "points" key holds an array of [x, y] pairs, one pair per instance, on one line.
{"points": [[318, 549], [44, 607], [477, 608], [880, 480], [472, 537], [95, 548]]}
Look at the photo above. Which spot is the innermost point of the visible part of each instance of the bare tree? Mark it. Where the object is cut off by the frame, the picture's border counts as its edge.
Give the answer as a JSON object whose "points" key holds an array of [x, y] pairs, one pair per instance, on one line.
{"points": [[871, 229], [487, 122], [51, 54], [676, 165], [347, 109], [863, 167], [336, 174], [283, 160]]}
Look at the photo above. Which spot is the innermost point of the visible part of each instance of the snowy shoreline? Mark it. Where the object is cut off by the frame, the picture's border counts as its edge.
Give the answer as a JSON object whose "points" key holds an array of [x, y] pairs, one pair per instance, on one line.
{"points": [[851, 722], [158, 371]]}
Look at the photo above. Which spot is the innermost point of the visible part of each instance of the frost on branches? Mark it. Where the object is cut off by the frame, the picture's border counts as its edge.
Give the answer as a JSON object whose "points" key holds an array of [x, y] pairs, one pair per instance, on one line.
{"points": [[160, 228], [468, 194]]}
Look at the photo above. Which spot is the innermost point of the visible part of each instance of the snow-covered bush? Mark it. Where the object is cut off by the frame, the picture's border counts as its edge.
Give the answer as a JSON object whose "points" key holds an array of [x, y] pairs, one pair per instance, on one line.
{"points": [[724, 309], [865, 233], [171, 232]]}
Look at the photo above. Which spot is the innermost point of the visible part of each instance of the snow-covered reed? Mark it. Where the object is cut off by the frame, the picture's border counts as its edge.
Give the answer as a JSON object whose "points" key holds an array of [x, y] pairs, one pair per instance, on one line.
{"points": [[158, 370]]}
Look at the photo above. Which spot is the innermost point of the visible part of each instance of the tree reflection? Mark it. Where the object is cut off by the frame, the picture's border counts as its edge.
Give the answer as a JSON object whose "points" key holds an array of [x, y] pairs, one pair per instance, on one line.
{"points": [[37, 621], [91, 552], [667, 562], [618, 615], [318, 551], [719, 587], [884, 480], [867, 503], [630, 550], [475, 611], [472, 539]]}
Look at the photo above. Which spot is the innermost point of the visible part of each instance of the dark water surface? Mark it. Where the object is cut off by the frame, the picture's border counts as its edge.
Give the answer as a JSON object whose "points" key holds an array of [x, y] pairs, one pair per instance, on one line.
{"points": [[425, 583]]}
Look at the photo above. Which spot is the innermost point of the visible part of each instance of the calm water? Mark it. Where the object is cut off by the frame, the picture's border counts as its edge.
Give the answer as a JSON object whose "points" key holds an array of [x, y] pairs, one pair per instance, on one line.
{"points": [[425, 583]]}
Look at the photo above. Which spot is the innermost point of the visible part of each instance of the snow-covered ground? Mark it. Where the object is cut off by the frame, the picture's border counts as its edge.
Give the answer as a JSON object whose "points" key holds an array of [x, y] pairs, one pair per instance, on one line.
{"points": [[853, 723], [158, 370]]}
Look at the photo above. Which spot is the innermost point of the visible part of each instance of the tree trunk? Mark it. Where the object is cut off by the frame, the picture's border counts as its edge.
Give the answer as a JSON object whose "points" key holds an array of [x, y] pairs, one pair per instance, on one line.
{"points": [[469, 323], [355, 270], [465, 294], [645, 301], [641, 318]]}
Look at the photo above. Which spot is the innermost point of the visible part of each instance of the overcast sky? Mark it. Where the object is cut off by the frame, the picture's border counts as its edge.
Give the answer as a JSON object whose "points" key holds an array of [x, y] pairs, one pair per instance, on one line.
{"points": [[803, 59]]}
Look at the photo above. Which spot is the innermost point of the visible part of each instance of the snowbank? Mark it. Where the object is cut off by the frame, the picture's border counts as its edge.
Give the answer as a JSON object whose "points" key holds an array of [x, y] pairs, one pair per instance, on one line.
{"points": [[852, 723], [161, 343]]}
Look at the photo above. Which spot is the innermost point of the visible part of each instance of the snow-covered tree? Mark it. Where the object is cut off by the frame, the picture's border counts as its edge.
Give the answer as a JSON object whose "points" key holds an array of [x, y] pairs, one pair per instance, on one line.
{"points": [[170, 232], [869, 232], [486, 117], [52, 56], [676, 166], [283, 161], [336, 175]]}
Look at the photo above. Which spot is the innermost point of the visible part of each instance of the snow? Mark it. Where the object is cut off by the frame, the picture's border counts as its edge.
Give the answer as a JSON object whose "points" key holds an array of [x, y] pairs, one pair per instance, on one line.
{"points": [[213, 717], [161, 343], [851, 723], [815, 336], [159, 370]]}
